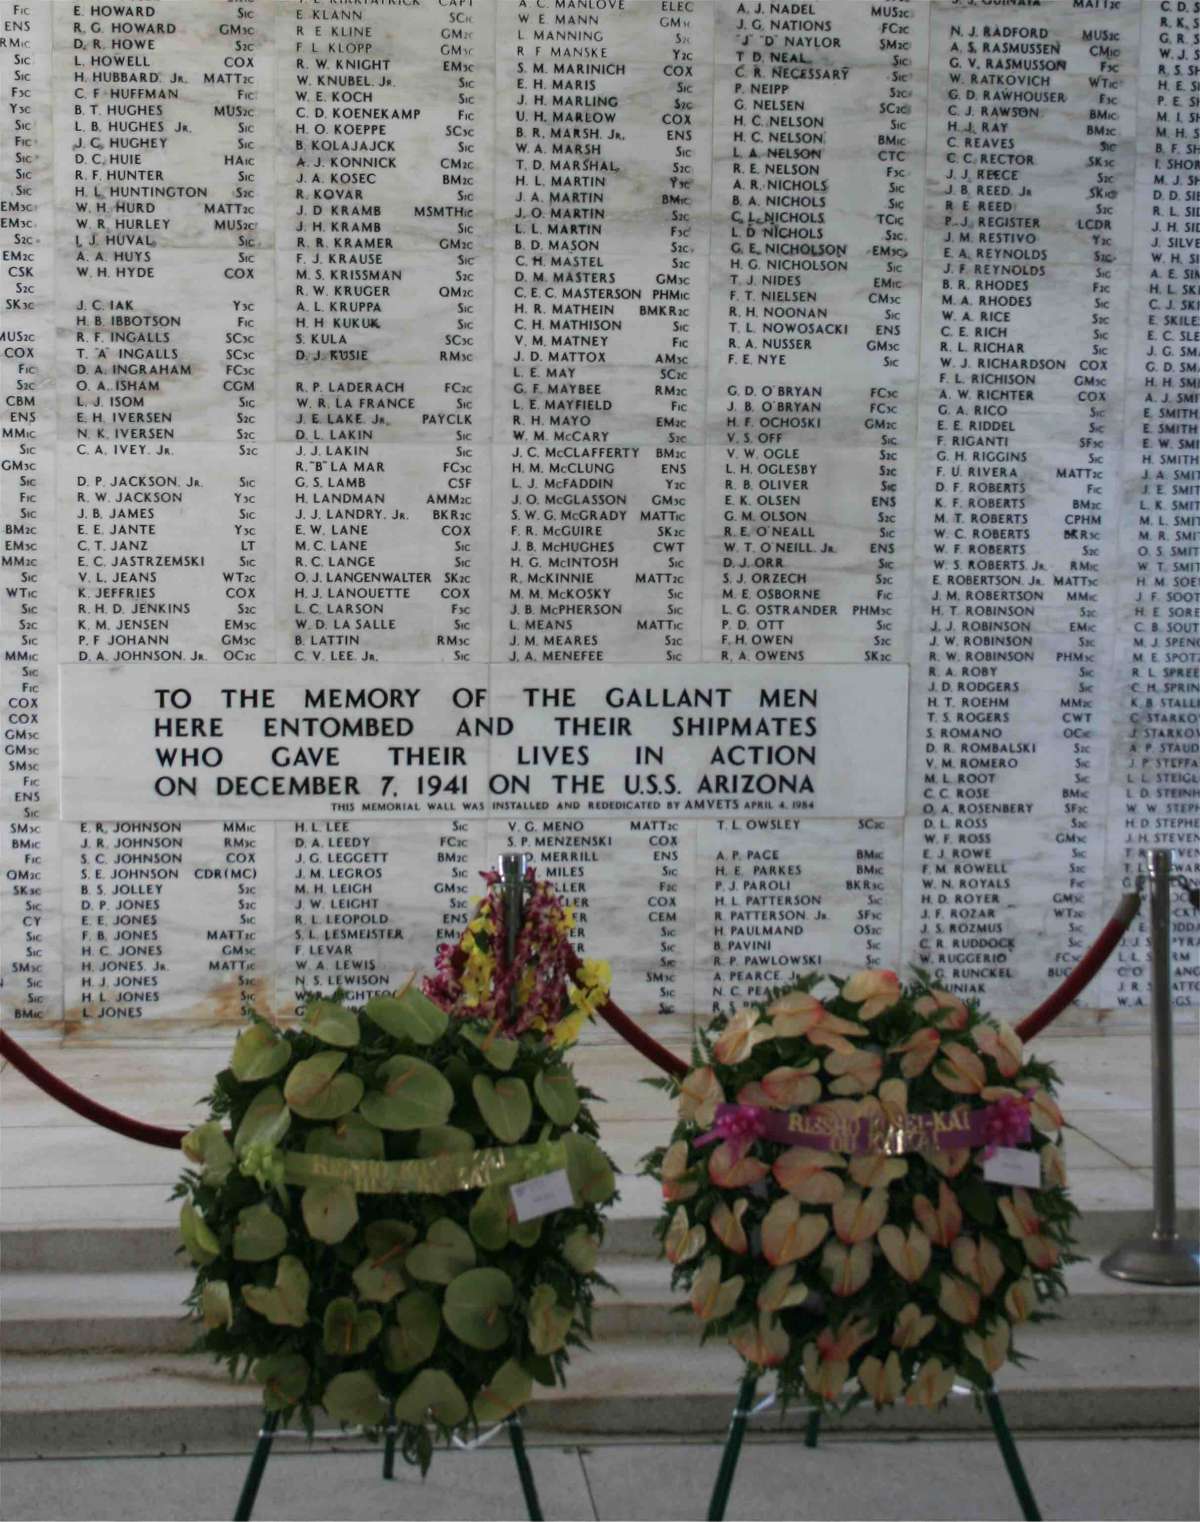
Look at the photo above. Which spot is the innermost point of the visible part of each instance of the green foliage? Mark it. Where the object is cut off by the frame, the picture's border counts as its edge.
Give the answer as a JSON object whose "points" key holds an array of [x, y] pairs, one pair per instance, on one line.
{"points": [[355, 1302]]}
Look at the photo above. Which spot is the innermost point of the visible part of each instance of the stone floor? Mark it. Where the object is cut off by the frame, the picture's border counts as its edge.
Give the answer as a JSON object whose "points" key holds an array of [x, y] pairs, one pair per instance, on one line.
{"points": [[58, 1170], [1102, 1477]]}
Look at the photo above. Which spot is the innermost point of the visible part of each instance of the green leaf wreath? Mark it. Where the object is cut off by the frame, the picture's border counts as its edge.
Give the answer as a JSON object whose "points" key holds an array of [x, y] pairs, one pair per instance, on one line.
{"points": [[880, 1270], [349, 1204]]}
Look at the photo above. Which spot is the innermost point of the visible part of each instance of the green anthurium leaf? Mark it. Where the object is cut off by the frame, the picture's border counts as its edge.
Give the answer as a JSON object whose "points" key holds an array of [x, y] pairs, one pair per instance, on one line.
{"points": [[259, 1234], [526, 1233], [543, 1371], [433, 1141], [284, 1378], [330, 1210], [207, 1146], [505, 1105], [581, 1250], [978, 1200], [590, 1172], [316, 1090], [265, 1123], [488, 1220], [444, 1254], [498, 1050], [557, 1095], [286, 1302], [352, 1136], [333, 1024], [409, 1015], [216, 1304], [432, 1393], [380, 1276], [549, 1322], [415, 1335], [473, 1307], [354, 1398], [414, 1094], [507, 1389], [198, 1237], [348, 1330], [259, 1052]]}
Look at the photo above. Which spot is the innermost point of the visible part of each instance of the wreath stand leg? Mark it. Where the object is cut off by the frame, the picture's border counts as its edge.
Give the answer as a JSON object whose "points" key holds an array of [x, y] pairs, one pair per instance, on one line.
{"points": [[389, 1453], [733, 1448], [813, 1429], [1012, 1459], [258, 1462], [516, 1436]]}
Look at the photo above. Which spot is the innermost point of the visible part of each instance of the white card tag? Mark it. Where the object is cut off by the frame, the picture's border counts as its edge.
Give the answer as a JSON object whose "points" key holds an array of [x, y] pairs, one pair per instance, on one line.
{"points": [[1009, 1165], [539, 1196]]}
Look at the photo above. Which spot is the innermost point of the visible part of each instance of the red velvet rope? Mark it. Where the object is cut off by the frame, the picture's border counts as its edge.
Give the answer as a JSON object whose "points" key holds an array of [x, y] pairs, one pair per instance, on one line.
{"points": [[112, 1120], [627, 1028], [1085, 970]]}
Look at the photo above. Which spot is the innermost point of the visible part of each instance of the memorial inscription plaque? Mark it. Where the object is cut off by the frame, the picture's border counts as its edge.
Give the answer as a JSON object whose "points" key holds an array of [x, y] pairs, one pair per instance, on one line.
{"points": [[742, 452]]}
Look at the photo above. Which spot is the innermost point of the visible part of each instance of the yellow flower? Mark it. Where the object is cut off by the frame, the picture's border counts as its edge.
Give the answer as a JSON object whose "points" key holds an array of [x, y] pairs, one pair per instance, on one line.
{"points": [[566, 1032]]}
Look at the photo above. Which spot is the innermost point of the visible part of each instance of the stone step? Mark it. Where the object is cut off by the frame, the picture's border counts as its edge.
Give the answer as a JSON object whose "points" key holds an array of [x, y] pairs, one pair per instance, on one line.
{"points": [[142, 1312], [630, 1233], [1077, 1381]]}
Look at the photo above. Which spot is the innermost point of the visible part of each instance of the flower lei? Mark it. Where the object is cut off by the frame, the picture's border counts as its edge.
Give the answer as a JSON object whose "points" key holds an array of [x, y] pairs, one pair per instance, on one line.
{"points": [[474, 980], [892, 1266]]}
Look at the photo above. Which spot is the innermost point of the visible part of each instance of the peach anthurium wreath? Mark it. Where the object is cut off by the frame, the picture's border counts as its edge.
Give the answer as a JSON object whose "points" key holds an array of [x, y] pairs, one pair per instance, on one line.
{"points": [[825, 1197]]}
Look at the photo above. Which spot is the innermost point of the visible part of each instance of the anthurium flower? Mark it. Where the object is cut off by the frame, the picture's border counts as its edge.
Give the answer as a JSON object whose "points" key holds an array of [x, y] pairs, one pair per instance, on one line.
{"points": [[876, 989], [683, 1241], [711, 1297], [893, 1099], [857, 1216], [1054, 1167], [1020, 1301], [931, 1386], [992, 1349], [802, 1015], [1043, 1112], [763, 1342], [875, 1171], [919, 1051], [727, 1225], [753, 1093], [789, 1234], [947, 1011], [846, 1268], [958, 1299], [824, 1377], [699, 1095], [802, 1171], [856, 1071], [911, 1326], [729, 1169], [792, 1088], [882, 1381], [1002, 1045], [1025, 1224], [960, 1071], [979, 1260], [741, 1035], [675, 1183], [910, 1255], [780, 1290], [951, 1161]]}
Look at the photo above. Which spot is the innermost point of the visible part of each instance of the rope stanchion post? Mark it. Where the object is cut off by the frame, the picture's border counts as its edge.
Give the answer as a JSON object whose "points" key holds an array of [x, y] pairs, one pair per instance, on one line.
{"points": [[1163, 1257], [258, 1462], [1012, 1459], [733, 1448]]}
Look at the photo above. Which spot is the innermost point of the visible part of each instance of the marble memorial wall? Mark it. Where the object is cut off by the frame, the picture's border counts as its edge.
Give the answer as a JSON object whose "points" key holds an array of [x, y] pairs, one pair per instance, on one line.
{"points": [[742, 452]]}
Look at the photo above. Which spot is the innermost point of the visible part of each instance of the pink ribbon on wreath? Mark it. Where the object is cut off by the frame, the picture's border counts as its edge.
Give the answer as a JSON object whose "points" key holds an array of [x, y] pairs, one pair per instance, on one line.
{"points": [[739, 1125], [1005, 1124]]}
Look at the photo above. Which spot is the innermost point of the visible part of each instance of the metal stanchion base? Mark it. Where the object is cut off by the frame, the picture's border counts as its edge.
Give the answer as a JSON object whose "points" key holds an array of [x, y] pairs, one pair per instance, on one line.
{"points": [[1156, 1260]]}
